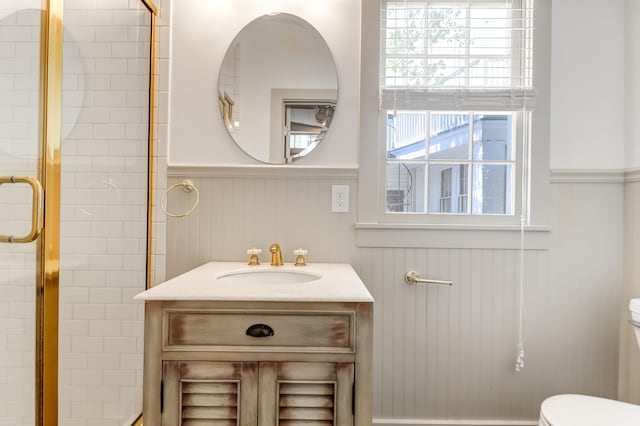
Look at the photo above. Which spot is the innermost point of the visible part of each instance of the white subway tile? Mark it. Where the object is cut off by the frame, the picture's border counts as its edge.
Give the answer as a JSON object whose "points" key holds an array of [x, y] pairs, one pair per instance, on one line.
{"points": [[77, 34], [21, 342], [90, 245], [112, 33], [89, 278], [11, 293], [11, 65], [89, 410], [105, 361], [128, 16], [112, 4], [74, 392], [79, 132], [19, 409], [21, 310], [72, 5], [106, 394], [123, 246], [125, 311], [71, 295], [131, 361], [96, 50], [130, 393], [87, 344], [12, 360], [135, 229], [110, 131], [117, 410], [128, 115], [137, 98], [10, 32], [111, 66], [74, 327], [88, 311], [98, 82], [127, 279], [138, 66], [111, 98], [98, 328], [128, 50], [7, 50], [131, 328], [96, 17], [19, 375], [75, 163], [73, 360], [119, 378], [106, 262], [105, 295], [28, 50]]}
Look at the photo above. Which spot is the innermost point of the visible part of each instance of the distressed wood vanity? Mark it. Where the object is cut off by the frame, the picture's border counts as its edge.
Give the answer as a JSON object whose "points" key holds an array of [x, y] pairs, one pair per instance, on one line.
{"points": [[245, 353]]}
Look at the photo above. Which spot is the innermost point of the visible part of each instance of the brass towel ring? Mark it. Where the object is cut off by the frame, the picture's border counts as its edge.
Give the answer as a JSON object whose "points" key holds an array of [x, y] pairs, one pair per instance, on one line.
{"points": [[187, 186]]}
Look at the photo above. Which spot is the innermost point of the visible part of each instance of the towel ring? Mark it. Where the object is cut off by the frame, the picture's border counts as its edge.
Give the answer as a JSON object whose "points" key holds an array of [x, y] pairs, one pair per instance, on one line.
{"points": [[187, 186]]}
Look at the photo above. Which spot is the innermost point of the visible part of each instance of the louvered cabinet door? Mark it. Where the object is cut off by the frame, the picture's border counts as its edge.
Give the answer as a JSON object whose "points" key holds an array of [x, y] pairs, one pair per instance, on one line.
{"points": [[210, 393], [306, 394]]}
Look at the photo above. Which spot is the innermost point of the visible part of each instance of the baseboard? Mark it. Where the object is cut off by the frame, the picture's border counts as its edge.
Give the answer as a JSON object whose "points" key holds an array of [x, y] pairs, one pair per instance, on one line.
{"points": [[427, 422]]}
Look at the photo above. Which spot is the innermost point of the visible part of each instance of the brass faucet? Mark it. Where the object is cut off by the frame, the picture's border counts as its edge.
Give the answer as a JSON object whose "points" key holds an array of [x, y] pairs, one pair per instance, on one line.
{"points": [[276, 255]]}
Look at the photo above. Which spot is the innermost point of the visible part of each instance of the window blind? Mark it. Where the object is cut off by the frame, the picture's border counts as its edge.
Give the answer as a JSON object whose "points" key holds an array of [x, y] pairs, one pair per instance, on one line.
{"points": [[474, 54]]}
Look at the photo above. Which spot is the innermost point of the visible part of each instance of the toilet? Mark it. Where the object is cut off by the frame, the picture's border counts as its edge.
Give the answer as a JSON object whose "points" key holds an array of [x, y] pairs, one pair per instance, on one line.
{"points": [[584, 410]]}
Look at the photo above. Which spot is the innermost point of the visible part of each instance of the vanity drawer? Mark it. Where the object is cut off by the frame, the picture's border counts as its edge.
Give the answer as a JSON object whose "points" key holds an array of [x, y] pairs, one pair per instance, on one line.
{"points": [[310, 331]]}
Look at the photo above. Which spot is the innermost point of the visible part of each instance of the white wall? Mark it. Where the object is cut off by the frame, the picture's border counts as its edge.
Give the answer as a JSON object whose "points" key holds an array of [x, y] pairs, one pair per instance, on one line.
{"points": [[202, 32], [632, 85], [439, 353], [587, 85]]}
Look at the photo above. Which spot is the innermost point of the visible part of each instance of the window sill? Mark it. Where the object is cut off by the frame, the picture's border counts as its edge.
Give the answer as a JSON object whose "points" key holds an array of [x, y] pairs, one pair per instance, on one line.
{"points": [[398, 235]]}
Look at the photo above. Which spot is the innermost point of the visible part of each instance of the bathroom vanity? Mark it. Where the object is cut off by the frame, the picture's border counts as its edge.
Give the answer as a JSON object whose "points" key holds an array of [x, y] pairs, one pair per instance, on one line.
{"points": [[228, 344]]}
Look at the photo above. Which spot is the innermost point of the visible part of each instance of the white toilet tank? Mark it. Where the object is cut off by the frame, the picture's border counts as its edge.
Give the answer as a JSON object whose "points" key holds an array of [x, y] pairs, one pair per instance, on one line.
{"points": [[634, 307]]}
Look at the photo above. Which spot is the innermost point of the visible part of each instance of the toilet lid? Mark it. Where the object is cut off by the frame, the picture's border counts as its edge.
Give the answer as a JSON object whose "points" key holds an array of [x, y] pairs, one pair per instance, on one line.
{"points": [[583, 410]]}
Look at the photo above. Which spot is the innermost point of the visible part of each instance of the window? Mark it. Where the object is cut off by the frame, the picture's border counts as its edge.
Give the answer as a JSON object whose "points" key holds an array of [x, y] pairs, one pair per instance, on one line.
{"points": [[456, 83], [445, 190]]}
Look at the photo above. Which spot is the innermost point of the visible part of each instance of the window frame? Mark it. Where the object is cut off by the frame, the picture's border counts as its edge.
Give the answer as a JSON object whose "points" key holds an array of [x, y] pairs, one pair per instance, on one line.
{"points": [[371, 214], [522, 167]]}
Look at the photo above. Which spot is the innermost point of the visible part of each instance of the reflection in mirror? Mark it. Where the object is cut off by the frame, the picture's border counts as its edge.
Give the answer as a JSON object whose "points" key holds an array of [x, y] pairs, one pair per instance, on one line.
{"points": [[277, 88], [305, 127]]}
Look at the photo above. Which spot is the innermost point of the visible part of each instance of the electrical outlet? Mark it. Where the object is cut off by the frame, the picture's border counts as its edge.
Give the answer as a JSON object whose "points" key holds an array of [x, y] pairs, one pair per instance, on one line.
{"points": [[340, 198]]}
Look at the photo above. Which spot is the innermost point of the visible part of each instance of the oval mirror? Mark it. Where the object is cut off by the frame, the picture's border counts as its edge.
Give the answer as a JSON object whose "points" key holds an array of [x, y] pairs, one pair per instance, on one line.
{"points": [[277, 88]]}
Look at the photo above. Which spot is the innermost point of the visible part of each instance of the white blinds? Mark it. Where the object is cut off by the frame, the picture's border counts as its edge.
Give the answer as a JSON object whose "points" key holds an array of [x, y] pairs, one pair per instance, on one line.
{"points": [[474, 54]]}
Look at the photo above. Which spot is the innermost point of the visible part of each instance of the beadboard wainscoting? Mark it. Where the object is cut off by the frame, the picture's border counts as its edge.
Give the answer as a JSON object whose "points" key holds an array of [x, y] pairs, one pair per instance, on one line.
{"points": [[246, 207], [443, 355], [629, 371]]}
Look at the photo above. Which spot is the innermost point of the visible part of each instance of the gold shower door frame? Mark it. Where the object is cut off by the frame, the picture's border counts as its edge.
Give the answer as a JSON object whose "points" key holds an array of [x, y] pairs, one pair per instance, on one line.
{"points": [[48, 244]]}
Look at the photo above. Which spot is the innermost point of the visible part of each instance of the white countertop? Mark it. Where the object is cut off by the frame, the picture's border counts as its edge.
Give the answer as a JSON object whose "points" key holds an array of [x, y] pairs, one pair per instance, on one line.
{"points": [[338, 282]]}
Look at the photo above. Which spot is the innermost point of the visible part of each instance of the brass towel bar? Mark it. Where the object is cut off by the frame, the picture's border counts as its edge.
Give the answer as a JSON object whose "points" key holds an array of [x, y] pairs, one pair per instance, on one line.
{"points": [[413, 278]]}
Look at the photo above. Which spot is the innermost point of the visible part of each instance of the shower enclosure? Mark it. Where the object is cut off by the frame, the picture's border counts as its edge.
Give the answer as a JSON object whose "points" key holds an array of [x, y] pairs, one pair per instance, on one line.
{"points": [[76, 151]]}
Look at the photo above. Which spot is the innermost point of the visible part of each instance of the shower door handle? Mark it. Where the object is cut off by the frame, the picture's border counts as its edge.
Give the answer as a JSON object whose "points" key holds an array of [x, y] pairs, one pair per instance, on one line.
{"points": [[36, 211]]}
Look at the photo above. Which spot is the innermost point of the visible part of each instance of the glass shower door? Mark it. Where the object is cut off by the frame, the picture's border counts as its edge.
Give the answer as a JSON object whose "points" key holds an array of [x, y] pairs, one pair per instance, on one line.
{"points": [[20, 29], [104, 215], [75, 111]]}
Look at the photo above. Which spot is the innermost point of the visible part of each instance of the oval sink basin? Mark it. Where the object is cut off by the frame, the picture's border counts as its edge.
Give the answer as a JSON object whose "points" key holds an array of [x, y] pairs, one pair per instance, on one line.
{"points": [[267, 277]]}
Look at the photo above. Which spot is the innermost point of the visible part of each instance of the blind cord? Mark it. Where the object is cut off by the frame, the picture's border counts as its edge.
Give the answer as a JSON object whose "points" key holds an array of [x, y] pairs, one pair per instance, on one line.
{"points": [[522, 305]]}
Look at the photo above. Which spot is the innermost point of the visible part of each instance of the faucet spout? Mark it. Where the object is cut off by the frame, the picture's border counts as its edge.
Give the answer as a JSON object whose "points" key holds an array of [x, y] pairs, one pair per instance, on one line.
{"points": [[276, 255]]}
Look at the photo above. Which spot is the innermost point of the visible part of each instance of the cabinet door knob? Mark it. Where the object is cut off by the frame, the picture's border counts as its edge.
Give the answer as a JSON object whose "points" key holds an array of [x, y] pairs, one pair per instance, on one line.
{"points": [[260, 330]]}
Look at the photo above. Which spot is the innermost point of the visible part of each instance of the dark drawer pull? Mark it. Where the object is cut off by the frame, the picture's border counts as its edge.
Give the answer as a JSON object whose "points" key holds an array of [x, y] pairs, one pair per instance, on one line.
{"points": [[260, 330]]}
